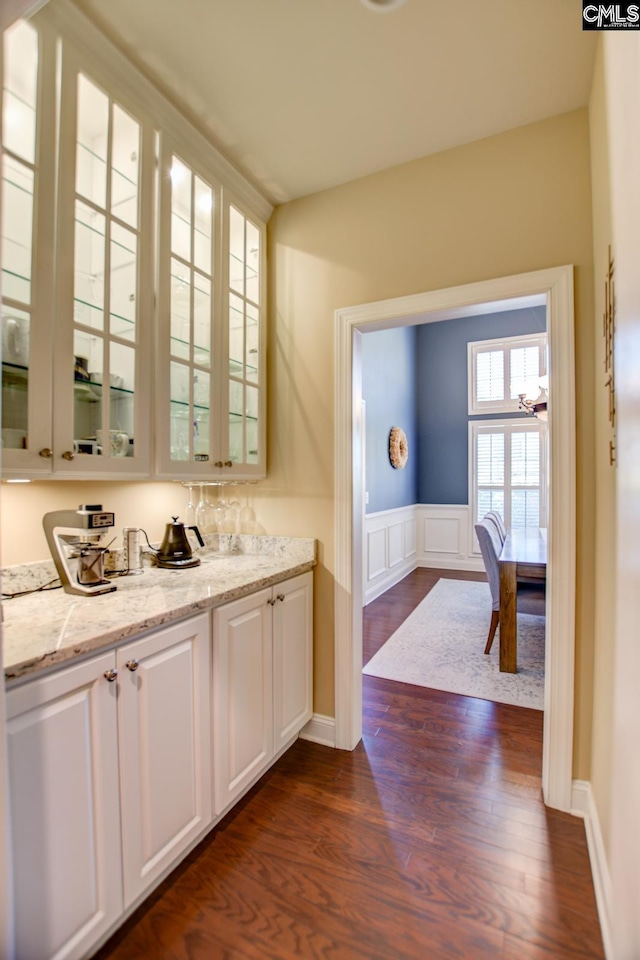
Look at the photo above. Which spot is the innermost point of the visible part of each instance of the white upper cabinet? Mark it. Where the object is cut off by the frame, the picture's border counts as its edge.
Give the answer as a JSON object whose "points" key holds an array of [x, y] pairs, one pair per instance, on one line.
{"points": [[130, 248], [210, 411]]}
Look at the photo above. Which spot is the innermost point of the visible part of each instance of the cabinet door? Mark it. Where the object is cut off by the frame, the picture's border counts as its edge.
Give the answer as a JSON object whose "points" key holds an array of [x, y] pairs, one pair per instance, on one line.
{"points": [[188, 408], [104, 276], [243, 433], [27, 230], [292, 657], [64, 809], [165, 748], [242, 695]]}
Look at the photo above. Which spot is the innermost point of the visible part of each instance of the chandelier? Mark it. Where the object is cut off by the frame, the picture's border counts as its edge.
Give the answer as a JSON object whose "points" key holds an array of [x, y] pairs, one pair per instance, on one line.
{"points": [[538, 407]]}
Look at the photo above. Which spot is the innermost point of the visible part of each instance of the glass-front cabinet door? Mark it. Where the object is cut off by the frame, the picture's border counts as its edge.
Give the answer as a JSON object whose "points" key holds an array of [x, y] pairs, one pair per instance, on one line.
{"points": [[244, 433], [210, 352], [105, 280], [28, 142]]}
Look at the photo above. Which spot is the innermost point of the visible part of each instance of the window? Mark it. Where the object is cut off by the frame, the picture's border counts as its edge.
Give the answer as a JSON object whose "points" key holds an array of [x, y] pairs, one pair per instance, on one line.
{"points": [[508, 472], [499, 370]]}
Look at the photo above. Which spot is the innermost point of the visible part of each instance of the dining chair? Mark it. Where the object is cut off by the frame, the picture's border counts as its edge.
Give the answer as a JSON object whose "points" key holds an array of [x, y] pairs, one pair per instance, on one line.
{"points": [[491, 545], [495, 518]]}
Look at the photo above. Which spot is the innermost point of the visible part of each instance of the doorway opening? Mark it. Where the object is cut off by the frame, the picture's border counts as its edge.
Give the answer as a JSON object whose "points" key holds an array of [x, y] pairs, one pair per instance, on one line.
{"points": [[552, 288], [453, 388]]}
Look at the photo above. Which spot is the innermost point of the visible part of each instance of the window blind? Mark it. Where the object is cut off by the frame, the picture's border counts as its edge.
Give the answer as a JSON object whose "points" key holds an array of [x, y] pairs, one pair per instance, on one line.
{"points": [[499, 370], [508, 471]]}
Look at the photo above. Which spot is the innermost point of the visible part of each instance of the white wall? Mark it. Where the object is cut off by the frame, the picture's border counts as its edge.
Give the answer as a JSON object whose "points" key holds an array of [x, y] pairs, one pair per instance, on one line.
{"points": [[622, 83]]}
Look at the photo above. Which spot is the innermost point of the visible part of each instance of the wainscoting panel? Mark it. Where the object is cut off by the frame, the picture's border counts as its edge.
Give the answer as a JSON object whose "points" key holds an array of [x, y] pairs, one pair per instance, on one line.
{"points": [[390, 549], [376, 553], [422, 535], [445, 537], [395, 534]]}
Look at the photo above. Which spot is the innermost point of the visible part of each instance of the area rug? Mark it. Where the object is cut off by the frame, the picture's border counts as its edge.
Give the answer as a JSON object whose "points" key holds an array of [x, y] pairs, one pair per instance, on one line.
{"points": [[441, 645]]}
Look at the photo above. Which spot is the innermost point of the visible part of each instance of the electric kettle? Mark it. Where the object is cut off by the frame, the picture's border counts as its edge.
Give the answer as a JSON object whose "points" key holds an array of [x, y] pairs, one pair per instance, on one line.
{"points": [[175, 550]]}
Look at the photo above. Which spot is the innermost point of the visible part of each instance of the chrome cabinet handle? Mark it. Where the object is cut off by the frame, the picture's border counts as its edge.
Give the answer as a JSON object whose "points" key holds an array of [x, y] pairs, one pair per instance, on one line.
{"points": [[132, 665], [111, 675], [68, 455], [46, 453]]}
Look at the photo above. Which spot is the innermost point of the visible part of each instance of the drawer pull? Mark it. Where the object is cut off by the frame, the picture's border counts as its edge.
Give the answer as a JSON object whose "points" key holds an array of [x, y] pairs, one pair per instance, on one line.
{"points": [[281, 596], [132, 665], [111, 675], [271, 602]]}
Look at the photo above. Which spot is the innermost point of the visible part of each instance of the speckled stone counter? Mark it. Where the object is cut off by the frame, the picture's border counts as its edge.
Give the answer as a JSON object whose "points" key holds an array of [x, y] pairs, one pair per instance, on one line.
{"points": [[48, 628]]}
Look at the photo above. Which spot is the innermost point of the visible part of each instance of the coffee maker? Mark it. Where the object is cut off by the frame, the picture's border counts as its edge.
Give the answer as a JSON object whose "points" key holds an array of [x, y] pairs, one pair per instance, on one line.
{"points": [[78, 556]]}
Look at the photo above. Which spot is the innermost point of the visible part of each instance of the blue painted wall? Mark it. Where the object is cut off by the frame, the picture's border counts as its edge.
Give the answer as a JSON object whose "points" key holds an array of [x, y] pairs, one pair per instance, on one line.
{"points": [[416, 378], [443, 433], [389, 389]]}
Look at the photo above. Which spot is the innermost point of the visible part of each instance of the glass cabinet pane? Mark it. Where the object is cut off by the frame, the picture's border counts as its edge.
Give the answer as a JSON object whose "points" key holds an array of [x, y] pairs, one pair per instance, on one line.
{"points": [[191, 313], [19, 177], [15, 378], [106, 267], [91, 142], [244, 339], [181, 209], [125, 150], [20, 91], [17, 229], [123, 268], [89, 266]]}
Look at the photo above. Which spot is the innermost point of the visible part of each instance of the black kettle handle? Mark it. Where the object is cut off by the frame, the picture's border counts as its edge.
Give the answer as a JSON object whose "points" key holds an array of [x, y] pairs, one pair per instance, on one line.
{"points": [[197, 533]]}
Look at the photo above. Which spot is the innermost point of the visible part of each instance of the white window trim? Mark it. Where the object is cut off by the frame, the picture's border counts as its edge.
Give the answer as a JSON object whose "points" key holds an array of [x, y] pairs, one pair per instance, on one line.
{"points": [[509, 425], [506, 344]]}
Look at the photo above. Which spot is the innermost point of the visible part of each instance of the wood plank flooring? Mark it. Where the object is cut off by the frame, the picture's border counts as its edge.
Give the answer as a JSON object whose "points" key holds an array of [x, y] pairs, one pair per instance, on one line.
{"points": [[430, 840]]}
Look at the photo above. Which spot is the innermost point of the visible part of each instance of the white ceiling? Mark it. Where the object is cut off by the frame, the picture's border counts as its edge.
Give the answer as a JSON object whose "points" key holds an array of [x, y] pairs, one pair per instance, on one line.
{"points": [[306, 94]]}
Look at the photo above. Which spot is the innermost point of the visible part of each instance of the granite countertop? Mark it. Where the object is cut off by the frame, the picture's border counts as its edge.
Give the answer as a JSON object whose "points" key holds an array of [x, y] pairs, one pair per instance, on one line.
{"points": [[54, 627]]}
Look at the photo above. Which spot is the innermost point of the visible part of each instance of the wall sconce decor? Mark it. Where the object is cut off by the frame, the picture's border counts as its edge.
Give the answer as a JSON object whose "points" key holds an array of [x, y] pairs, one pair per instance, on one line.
{"points": [[608, 330], [398, 448]]}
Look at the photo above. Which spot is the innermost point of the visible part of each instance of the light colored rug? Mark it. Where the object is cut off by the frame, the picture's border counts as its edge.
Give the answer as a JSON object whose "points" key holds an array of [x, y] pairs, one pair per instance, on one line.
{"points": [[441, 645]]}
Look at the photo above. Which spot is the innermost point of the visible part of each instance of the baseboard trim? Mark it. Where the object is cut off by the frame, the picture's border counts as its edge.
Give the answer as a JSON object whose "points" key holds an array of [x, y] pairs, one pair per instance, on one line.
{"points": [[583, 805], [437, 563], [320, 729]]}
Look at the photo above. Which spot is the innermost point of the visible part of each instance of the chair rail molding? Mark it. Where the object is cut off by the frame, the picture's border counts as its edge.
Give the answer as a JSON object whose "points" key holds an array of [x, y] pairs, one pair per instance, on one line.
{"points": [[552, 288]]}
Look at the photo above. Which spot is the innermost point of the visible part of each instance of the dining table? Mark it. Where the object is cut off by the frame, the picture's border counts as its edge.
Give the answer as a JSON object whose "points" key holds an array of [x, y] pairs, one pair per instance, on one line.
{"points": [[523, 558]]}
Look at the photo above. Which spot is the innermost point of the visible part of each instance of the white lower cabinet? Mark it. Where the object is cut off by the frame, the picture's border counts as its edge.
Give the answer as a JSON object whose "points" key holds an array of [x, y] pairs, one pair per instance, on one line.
{"points": [[262, 676], [165, 748], [110, 780], [65, 810], [110, 761], [292, 657]]}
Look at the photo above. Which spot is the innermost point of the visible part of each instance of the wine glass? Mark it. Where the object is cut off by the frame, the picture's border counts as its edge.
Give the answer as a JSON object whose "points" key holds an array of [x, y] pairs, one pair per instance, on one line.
{"points": [[233, 513], [190, 509], [247, 517], [205, 513], [222, 513]]}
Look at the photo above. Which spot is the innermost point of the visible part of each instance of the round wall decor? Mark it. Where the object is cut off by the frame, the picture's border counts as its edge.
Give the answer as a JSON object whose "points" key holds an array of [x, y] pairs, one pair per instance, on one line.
{"points": [[398, 448]]}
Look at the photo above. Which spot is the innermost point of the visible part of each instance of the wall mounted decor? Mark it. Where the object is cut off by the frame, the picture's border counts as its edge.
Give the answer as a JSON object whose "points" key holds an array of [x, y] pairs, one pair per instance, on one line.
{"points": [[398, 448], [608, 330]]}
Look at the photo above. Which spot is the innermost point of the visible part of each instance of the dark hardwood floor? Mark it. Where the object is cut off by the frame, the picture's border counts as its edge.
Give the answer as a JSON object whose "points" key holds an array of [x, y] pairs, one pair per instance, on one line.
{"points": [[428, 841]]}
